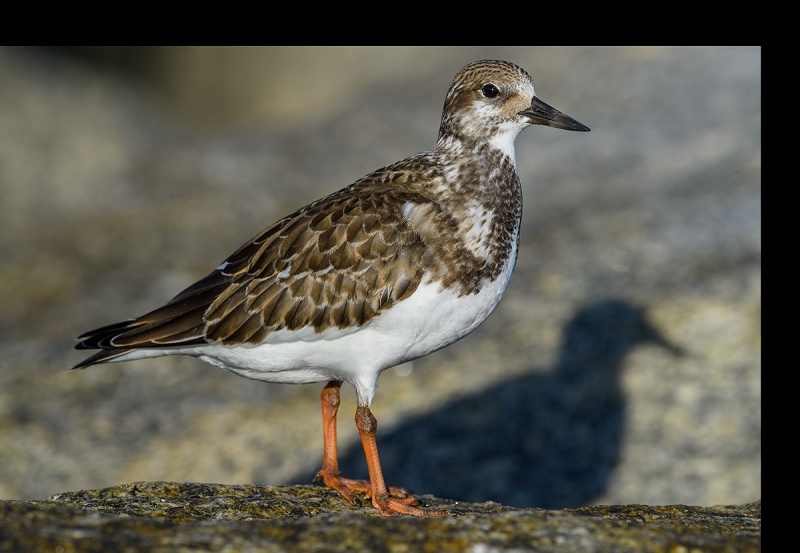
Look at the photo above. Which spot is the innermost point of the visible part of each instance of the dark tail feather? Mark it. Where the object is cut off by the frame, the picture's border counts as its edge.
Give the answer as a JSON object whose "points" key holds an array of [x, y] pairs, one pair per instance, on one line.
{"points": [[179, 323], [89, 340], [100, 357], [186, 326]]}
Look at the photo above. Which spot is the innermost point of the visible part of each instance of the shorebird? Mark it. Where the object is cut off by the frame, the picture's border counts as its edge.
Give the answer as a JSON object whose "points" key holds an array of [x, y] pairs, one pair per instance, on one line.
{"points": [[401, 263]]}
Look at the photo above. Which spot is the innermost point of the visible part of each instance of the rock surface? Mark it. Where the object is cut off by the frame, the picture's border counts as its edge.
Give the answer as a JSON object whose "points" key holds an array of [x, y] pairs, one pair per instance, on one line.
{"points": [[162, 516], [623, 366]]}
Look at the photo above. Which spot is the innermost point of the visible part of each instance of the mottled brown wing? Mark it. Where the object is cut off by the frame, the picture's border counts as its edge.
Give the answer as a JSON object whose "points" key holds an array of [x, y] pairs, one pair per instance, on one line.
{"points": [[336, 263]]}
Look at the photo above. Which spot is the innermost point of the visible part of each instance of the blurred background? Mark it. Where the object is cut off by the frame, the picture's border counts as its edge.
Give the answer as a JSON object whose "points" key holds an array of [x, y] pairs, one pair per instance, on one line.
{"points": [[623, 365]]}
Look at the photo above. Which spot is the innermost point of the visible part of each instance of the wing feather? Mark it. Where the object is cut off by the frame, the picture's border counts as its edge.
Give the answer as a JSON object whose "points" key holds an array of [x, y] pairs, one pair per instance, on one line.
{"points": [[340, 261]]}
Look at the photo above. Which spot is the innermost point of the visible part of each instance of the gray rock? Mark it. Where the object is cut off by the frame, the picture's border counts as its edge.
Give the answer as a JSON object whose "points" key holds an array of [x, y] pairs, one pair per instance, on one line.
{"points": [[163, 516]]}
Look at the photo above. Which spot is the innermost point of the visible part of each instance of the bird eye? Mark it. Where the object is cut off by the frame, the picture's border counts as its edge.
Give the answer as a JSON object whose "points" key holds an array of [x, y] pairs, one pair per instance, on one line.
{"points": [[490, 91]]}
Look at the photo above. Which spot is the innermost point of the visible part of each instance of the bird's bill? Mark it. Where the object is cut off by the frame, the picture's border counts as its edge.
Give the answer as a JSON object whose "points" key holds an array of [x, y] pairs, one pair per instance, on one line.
{"points": [[541, 113]]}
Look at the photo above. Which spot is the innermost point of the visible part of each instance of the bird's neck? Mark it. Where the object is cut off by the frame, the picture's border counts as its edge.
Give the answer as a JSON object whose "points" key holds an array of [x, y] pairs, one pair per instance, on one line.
{"points": [[477, 170], [462, 140], [480, 187]]}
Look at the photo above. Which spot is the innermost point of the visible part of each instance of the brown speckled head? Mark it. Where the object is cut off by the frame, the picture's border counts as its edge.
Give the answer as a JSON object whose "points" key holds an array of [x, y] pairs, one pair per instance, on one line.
{"points": [[485, 96], [494, 100]]}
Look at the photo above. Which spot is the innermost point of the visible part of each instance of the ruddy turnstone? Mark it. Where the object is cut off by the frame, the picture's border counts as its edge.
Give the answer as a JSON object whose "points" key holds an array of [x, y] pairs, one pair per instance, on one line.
{"points": [[399, 264]]}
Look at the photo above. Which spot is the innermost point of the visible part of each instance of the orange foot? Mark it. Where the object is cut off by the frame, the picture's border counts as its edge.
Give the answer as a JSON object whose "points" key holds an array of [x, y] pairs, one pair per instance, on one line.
{"points": [[346, 487], [398, 501], [388, 505], [390, 501]]}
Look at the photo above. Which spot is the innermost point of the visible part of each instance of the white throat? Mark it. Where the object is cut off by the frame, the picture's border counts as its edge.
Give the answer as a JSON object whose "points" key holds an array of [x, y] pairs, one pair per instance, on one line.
{"points": [[504, 141]]}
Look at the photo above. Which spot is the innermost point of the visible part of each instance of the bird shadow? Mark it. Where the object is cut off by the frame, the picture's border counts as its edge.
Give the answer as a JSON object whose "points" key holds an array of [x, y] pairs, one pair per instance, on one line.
{"points": [[549, 440]]}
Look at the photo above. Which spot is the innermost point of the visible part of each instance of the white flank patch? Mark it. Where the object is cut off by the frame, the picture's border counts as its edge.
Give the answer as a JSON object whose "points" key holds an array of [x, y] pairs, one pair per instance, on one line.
{"points": [[475, 228]]}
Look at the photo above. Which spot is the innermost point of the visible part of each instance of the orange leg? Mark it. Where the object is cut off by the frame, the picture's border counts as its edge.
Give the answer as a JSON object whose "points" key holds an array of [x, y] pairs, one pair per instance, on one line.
{"points": [[382, 498], [329, 473], [398, 500]]}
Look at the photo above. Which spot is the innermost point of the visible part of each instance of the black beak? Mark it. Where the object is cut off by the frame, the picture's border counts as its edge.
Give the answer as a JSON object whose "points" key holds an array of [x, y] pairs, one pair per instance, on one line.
{"points": [[541, 113]]}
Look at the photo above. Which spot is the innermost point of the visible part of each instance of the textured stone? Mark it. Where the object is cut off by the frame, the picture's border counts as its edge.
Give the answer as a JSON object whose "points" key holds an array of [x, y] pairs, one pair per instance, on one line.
{"points": [[162, 516]]}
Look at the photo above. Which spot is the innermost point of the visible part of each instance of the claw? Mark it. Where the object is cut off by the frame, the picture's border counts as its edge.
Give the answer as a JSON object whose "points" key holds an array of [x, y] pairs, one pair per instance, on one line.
{"points": [[342, 485], [390, 506]]}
